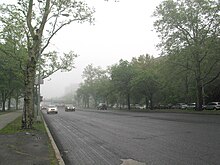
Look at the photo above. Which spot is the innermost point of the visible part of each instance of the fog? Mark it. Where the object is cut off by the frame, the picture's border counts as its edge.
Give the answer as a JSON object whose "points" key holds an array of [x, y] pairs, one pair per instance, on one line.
{"points": [[122, 30]]}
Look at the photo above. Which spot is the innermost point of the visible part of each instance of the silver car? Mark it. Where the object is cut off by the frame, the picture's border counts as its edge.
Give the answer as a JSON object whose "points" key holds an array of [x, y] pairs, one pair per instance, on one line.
{"points": [[213, 106]]}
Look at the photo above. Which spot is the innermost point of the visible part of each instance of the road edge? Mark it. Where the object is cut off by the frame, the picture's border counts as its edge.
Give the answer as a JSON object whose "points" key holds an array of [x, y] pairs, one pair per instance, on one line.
{"points": [[56, 150]]}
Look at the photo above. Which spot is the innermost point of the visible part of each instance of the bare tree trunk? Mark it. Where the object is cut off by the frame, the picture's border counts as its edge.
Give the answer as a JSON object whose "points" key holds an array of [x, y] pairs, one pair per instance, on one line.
{"points": [[27, 120]]}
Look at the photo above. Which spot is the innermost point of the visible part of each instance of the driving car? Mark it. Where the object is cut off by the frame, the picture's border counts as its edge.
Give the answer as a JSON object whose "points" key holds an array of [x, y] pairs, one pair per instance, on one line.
{"points": [[52, 109], [43, 107], [213, 106], [69, 108]]}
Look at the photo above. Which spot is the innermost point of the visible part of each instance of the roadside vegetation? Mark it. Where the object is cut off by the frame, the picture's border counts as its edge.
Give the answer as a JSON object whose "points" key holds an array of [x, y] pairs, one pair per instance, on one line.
{"points": [[187, 70], [26, 30]]}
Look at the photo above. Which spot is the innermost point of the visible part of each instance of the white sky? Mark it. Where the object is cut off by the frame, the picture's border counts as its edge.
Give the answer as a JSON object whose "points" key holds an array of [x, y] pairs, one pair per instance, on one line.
{"points": [[122, 30]]}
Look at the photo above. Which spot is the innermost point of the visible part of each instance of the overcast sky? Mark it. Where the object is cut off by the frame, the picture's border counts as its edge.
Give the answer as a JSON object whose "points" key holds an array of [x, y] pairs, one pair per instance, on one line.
{"points": [[122, 30]]}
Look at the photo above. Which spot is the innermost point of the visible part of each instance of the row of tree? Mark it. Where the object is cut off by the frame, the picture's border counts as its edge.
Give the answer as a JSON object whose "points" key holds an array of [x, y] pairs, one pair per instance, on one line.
{"points": [[187, 72], [145, 81], [26, 29], [11, 77]]}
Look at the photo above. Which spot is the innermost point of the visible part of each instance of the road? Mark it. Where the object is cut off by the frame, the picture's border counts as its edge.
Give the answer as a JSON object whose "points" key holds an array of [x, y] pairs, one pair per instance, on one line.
{"points": [[91, 137]]}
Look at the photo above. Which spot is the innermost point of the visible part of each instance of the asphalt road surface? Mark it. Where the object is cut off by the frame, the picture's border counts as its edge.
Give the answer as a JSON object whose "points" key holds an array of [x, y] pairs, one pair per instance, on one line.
{"points": [[92, 137]]}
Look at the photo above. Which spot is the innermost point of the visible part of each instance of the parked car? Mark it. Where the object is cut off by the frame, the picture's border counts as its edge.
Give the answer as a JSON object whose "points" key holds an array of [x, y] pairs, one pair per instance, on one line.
{"points": [[191, 106], [137, 106], [179, 106], [183, 106], [213, 106], [69, 108], [52, 109], [143, 107], [102, 106]]}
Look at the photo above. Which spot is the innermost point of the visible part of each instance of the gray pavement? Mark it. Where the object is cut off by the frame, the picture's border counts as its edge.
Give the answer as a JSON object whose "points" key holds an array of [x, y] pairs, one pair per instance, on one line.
{"points": [[113, 138], [8, 118], [23, 148]]}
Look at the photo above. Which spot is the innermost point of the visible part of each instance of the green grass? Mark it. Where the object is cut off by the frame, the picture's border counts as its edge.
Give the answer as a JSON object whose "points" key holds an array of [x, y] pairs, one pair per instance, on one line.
{"points": [[38, 127], [13, 127]]}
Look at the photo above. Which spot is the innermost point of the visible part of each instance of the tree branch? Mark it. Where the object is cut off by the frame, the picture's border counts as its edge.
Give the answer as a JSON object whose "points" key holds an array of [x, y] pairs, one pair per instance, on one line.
{"points": [[29, 17]]}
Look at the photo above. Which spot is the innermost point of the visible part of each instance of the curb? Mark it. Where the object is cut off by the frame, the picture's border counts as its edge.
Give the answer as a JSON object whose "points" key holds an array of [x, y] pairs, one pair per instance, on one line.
{"points": [[56, 150]]}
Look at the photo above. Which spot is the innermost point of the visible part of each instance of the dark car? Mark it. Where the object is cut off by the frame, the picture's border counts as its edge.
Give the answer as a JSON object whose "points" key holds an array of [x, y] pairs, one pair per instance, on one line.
{"points": [[69, 108], [213, 106], [102, 106]]}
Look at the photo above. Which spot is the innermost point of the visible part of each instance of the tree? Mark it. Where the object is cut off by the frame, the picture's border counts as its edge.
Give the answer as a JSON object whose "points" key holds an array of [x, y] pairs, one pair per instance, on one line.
{"points": [[82, 93], [10, 73], [145, 79], [192, 28], [94, 79], [121, 76], [40, 21]]}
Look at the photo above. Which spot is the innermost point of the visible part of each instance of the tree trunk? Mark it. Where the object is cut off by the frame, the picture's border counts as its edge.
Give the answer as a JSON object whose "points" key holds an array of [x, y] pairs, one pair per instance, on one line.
{"points": [[3, 100], [16, 100], [151, 101], [27, 120], [199, 96], [186, 89], [9, 103], [146, 102], [128, 101]]}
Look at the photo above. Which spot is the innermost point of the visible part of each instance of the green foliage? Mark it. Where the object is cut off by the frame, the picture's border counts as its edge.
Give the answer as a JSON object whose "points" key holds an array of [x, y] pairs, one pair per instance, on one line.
{"points": [[39, 22], [189, 30], [11, 73]]}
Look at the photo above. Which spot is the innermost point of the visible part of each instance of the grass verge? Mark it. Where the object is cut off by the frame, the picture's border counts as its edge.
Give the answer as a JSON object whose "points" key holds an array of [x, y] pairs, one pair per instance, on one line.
{"points": [[38, 127]]}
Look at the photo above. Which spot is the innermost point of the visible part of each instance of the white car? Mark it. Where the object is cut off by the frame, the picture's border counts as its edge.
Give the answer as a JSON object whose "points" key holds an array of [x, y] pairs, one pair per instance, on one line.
{"points": [[52, 109]]}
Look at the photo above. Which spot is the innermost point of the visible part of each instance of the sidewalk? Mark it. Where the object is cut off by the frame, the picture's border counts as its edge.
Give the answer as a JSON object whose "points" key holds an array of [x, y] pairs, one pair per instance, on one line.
{"points": [[8, 118], [23, 148]]}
